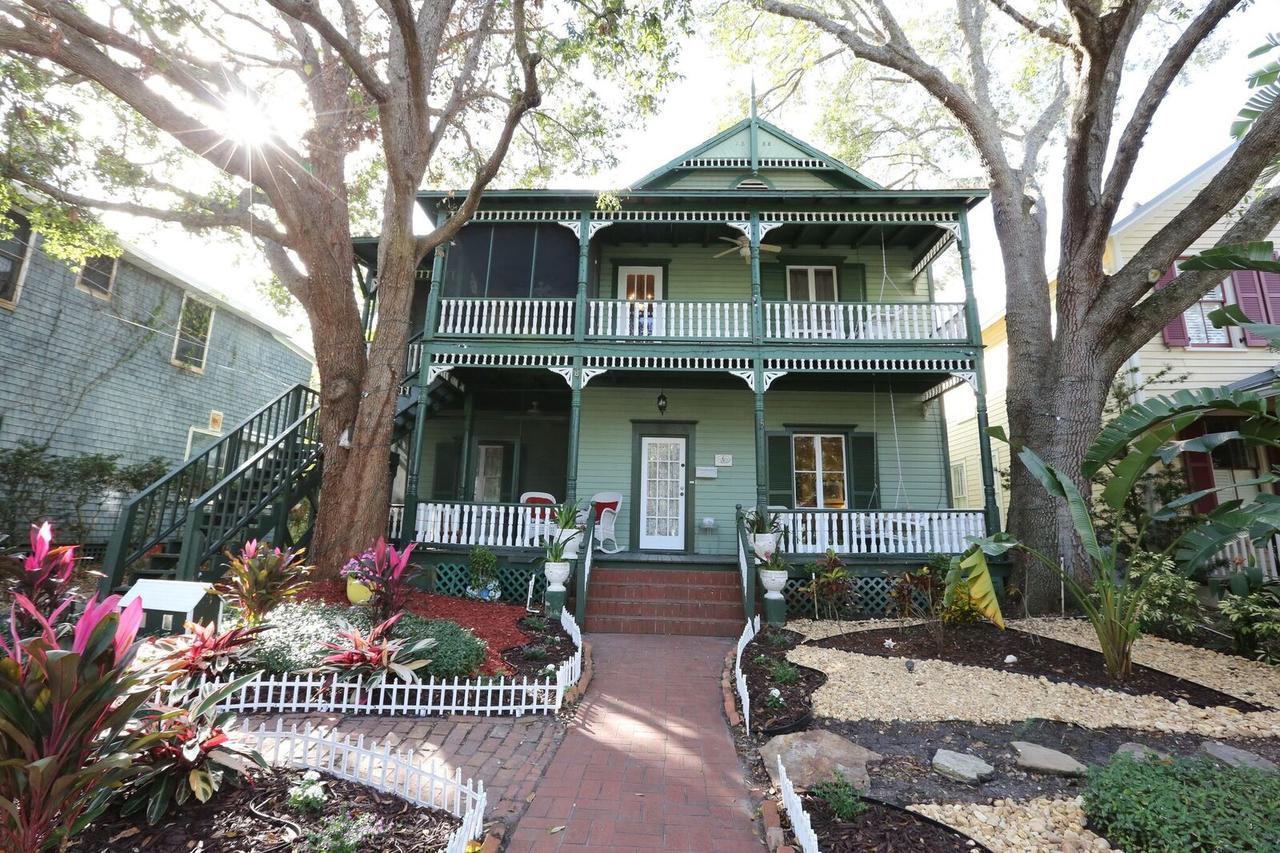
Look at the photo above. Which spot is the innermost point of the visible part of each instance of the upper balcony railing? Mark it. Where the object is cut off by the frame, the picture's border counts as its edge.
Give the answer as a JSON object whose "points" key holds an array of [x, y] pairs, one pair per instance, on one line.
{"points": [[627, 320]]}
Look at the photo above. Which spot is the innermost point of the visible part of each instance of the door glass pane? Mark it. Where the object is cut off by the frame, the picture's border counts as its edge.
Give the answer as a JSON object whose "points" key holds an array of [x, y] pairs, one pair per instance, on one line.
{"points": [[798, 284], [806, 489], [833, 496], [804, 453], [824, 284], [833, 454]]}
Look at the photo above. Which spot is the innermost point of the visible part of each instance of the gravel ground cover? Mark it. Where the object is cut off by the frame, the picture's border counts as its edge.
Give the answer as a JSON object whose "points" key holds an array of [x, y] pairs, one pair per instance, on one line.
{"points": [[876, 688], [1042, 825]]}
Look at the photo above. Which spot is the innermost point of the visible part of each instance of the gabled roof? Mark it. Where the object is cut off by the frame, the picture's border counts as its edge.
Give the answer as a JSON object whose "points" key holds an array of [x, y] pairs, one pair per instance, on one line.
{"points": [[1201, 174], [750, 145]]}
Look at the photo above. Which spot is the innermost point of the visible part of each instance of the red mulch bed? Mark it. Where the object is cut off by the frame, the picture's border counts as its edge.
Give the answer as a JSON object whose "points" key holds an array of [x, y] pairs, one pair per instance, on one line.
{"points": [[496, 624]]}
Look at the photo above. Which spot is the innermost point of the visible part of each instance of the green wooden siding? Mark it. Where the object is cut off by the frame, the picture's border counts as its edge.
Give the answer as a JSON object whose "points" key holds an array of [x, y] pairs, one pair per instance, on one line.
{"points": [[693, 274], [538, 447]]}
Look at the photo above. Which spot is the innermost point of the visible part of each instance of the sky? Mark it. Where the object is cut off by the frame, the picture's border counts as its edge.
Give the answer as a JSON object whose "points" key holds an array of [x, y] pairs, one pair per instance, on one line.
{"points": [[1190, 128]]}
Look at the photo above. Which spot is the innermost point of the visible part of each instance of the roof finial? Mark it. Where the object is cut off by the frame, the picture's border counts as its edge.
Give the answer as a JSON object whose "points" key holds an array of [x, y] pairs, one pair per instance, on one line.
{"points": [[753, 134]]}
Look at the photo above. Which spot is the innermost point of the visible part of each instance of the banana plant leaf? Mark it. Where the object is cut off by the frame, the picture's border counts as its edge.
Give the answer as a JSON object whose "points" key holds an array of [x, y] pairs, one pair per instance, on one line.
{"points": [[973, 569], [1258, 520], [1170, 509], [1257, 255]]}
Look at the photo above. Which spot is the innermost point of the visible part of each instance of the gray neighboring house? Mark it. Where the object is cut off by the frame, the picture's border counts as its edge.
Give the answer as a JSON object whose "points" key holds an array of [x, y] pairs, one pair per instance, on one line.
{"points": [[127, 357]]}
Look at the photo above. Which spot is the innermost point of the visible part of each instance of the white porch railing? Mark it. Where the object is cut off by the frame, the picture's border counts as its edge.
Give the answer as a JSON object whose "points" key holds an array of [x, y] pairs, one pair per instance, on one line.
{"points": [[507, 317], [1242, 552], [813, 531], [865, 321], [501, 525], [623, 319], [395, 521]]}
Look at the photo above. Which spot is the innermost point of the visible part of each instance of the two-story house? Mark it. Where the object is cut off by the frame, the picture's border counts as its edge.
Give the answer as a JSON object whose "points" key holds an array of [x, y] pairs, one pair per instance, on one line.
{"points": [[1189, 353], [752, 325], [127, 357]]}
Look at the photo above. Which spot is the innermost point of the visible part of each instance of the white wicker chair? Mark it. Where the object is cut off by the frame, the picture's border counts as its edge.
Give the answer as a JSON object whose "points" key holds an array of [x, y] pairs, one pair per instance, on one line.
{"points": [[606, 506], [543, 523]]}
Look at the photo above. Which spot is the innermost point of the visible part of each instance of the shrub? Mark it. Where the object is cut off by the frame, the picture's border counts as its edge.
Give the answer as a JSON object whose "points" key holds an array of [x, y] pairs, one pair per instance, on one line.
{"points": [[1183, 805], [832, 588], [484, 566], [1170, 606], [961, 609], [376, 655], [535, 623], [66, 699], [918, 593], [841, 797], [457, 652], [1254, 621], [343, 834], [261, 579], [534, 652], [45, 577], [194, 756]]}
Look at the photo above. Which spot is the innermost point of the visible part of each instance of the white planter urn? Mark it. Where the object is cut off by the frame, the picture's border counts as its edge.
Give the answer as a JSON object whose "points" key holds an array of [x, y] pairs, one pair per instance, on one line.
{"points": [[764, 544], [773, 581], [557, 573], [569, 537]]}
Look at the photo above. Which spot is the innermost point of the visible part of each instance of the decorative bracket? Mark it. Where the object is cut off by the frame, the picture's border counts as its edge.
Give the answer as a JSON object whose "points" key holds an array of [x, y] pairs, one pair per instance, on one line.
{"points": [[747, 376], [743, 225], [969, 376], [565, 373], [771, 375], [766, 227], [589, 373], [437, 370]]}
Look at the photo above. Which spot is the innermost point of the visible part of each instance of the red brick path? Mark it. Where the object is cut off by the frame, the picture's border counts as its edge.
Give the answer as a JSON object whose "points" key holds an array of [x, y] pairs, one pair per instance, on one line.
{"points": [[650, 763]]}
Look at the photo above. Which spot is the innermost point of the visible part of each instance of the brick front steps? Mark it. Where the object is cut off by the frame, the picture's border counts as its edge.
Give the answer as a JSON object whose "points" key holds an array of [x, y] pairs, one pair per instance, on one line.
{"points": [[664, 600]]}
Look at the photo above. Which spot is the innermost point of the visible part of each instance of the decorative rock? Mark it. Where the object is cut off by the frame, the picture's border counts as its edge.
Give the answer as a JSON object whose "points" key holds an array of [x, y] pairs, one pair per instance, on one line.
{"points": [[1140, 752], [1233, 757], [1041, 759], [1010, 659], [962, 766], [815, 756]]}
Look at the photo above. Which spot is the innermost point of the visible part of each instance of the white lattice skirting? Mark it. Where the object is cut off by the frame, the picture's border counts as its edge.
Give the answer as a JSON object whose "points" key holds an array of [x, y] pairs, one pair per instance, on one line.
{"points": [[380, 767], [308, 692]]}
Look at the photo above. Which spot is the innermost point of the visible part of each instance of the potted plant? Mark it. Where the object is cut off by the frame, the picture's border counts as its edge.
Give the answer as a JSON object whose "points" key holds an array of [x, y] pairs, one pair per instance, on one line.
{"points": [[356, 571], [556, 566], [763, 530], [484, 585], [567, 532], [773, 575]]}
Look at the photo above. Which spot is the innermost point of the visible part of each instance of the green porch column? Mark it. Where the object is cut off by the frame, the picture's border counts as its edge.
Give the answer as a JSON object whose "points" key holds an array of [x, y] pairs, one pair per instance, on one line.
{"points": [[468, 485], [757, 301], [990, 508], [762, 465], [413, 472], [584, 264], [757, 365], [575, 422]]}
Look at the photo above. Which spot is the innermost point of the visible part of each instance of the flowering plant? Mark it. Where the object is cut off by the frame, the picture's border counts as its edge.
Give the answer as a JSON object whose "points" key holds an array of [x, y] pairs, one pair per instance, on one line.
{"points": [[308, 795], [386, 572], [261, 578], [66, 701]]}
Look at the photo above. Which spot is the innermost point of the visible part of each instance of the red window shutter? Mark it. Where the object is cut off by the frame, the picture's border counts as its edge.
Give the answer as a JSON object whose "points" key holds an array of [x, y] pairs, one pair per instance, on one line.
{"points": [[1271, 295], [1199, 470], [1248, 290], [1175, 334]]}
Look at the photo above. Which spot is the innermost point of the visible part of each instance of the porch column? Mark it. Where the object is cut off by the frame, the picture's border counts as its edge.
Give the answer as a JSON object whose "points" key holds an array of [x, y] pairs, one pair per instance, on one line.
{"points": [[575, 420], [762, 464], [468, 424], [990, 508], [757, 302], [413, 471], [584, 264]]}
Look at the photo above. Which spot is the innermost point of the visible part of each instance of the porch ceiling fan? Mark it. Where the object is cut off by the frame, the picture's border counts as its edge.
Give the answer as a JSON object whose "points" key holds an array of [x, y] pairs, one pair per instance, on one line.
{"points": [[742, 246]]}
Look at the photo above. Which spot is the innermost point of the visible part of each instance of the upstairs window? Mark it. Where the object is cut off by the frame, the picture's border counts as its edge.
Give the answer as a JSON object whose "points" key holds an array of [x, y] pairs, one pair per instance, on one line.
{"points": [[959, 483], [191, 344], [1200, 329], [14, 252], [811, 284], [97, 276], [819, 471], [1256, 293]]}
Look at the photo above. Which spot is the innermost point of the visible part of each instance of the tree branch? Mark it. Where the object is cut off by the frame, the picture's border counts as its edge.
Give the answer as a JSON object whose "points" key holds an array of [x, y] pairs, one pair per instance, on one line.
{"points": [[1045, 31], [308, 13]]}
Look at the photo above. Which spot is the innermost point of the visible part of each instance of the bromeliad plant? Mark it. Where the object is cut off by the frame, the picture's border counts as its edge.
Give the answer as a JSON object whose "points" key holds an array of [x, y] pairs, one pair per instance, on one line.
{"points": [[376, 656], [193, 755], [66, 701], [261, 578]]}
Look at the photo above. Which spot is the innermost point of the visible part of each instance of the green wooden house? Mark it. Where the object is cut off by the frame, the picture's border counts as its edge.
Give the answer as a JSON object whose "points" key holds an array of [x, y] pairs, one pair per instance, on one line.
{"points": [[750, 325]]}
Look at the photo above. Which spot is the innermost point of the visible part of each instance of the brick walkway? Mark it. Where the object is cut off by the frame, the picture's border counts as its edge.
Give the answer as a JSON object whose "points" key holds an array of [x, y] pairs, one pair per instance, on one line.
{"points": [[650, 763], [508, 754]]}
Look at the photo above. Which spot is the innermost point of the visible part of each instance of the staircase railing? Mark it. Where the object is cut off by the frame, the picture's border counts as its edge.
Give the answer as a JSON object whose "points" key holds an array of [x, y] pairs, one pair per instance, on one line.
{"points": [[160, 512], [586, 550], [746, 565], [237, 503]]}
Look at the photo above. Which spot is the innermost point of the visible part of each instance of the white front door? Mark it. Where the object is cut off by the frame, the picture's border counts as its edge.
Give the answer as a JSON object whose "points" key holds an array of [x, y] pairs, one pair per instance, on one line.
{"points": [[641, 288], [662, 487]]}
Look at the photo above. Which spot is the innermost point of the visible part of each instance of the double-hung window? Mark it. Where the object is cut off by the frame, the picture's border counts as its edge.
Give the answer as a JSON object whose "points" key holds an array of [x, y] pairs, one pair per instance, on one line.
{"points": [[98, 276], [191, 343], [810, 289], [818, 469], [1200, 329], [14, 252]]}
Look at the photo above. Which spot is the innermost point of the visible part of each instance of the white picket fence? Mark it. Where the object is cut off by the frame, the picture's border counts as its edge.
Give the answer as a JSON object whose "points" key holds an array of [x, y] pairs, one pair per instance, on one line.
{"points": [[614, 318], [507, 317], [492, 525], [865, 321], [1243, 552], [306, 692], [749, 632], [810, 531], [380, 767], [801, 827]]}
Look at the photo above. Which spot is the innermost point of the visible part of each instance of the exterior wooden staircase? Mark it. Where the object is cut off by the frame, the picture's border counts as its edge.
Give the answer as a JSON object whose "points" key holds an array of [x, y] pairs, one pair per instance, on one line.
{"points": [[653, 600]]}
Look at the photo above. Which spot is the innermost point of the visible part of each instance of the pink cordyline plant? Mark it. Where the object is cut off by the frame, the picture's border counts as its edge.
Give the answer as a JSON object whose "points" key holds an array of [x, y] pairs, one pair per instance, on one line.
{"points": [[44, 577], [387, 576], [68, 698]]}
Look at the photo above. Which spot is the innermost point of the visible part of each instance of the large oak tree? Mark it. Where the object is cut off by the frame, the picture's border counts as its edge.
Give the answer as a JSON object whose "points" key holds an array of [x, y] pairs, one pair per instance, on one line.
{"points": [[289, 120], [1014, 78]]}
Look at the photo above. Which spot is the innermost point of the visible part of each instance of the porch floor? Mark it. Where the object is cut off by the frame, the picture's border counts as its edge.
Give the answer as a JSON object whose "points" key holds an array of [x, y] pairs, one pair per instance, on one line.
{"points": [[651, 763]]}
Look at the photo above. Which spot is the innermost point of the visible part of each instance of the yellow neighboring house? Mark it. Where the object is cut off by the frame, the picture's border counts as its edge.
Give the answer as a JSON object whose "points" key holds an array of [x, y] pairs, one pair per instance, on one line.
{"points": [[1189, 353]]}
